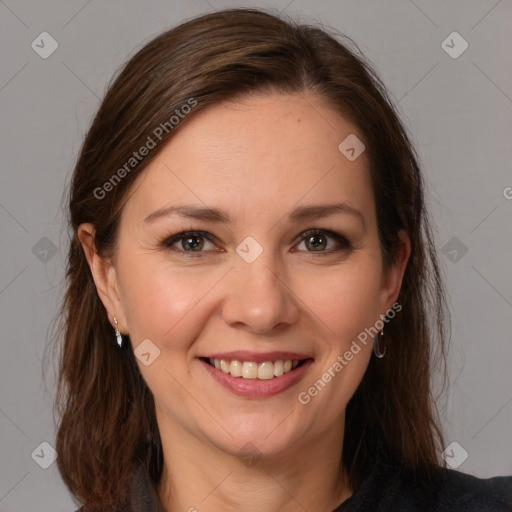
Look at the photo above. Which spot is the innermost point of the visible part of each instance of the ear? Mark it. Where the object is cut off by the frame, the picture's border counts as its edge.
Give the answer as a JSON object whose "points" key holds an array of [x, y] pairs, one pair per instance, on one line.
{"points": [[392, 279], [105, 277]]}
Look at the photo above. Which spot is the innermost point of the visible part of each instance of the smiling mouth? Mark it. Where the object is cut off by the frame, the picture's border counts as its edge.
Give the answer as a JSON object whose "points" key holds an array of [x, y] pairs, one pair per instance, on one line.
{"points": [[257, 371]]}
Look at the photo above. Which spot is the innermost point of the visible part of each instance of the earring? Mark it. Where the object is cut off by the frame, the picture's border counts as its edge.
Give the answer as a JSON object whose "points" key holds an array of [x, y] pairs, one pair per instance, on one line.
{"points": [[376, 344], [119, 336]]}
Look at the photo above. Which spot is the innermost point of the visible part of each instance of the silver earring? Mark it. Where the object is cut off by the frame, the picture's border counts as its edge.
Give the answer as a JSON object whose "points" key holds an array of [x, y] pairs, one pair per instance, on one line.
{"points": [[376, 344], [119, 336]]}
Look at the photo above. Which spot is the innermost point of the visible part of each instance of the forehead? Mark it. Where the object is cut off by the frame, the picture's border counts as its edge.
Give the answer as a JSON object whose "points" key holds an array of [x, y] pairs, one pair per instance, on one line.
{"points": [[257, 156]]}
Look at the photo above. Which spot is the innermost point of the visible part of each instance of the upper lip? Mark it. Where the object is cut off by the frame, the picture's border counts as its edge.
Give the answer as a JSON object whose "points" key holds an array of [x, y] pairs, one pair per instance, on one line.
{"points": [[244, 355]]}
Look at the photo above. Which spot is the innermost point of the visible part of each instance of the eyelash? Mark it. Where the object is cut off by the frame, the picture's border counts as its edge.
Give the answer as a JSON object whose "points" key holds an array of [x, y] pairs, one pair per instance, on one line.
{"points": [[343, 242]]}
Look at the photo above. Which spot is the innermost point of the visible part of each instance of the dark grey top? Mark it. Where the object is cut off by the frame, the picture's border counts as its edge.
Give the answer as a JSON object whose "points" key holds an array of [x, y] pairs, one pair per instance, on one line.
{"points": [[384, 490]]}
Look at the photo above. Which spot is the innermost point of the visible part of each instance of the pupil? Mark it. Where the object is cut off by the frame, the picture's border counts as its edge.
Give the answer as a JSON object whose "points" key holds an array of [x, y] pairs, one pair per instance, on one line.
{"points": [[191, 245], [312, 238]]}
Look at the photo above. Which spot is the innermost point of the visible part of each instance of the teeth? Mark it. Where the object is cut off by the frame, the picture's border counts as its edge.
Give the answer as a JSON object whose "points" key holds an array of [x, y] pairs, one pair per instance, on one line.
{"points": [[266, 370], [251, 370], [235, 368], [278, 368]]}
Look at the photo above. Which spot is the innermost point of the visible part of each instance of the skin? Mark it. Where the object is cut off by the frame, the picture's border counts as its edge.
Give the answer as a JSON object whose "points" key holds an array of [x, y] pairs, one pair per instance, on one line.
{"points": [[257, 159]]}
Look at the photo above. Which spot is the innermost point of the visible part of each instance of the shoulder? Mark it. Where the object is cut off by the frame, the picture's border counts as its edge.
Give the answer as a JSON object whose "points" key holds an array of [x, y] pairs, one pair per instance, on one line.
{"points": [[455, 491], [471, 493], [387, 489]]}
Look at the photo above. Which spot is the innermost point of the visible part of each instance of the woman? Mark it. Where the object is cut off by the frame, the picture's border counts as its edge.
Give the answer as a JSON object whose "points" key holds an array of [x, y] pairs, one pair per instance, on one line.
{"points": [[253, 292]]}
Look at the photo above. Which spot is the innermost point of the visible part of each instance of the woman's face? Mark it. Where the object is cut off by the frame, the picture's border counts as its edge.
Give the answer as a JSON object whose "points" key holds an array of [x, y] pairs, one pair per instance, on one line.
{"points": [[270, 278]]}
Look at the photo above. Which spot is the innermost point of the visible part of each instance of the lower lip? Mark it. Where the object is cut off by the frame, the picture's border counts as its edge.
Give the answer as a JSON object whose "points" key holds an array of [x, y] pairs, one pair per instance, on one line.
{"points": [[256, 388]]}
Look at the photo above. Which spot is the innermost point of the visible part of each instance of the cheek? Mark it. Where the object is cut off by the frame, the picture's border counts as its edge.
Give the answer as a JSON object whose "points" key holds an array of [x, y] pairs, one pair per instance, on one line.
{"points": [[345, 299], [343, 304], [163, 303]]}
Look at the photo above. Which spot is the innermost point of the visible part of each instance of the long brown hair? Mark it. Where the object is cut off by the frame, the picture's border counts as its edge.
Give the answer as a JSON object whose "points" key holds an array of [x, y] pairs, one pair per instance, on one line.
{"points": [[107, 414]]}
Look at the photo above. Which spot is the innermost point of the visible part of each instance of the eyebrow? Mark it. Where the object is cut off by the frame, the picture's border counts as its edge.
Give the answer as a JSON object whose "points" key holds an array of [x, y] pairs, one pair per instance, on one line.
{"points": [[300, 213]]}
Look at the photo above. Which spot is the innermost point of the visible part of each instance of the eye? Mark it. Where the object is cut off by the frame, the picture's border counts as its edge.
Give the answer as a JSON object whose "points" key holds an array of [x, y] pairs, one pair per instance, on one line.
{"points": [[318, 241], [188, 241]]}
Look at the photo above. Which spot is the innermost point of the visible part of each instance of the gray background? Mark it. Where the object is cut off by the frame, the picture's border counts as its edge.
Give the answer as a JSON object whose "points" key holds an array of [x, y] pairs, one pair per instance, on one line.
{"points": [[457, 109]]}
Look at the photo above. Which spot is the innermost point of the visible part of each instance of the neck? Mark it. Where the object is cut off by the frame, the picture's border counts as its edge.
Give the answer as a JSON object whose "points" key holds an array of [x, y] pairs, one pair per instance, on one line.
{"points": [[199, 476]]}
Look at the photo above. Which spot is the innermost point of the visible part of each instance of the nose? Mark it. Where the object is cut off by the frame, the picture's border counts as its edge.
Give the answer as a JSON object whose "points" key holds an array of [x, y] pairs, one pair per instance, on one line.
{"points": [[258, 298]]}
